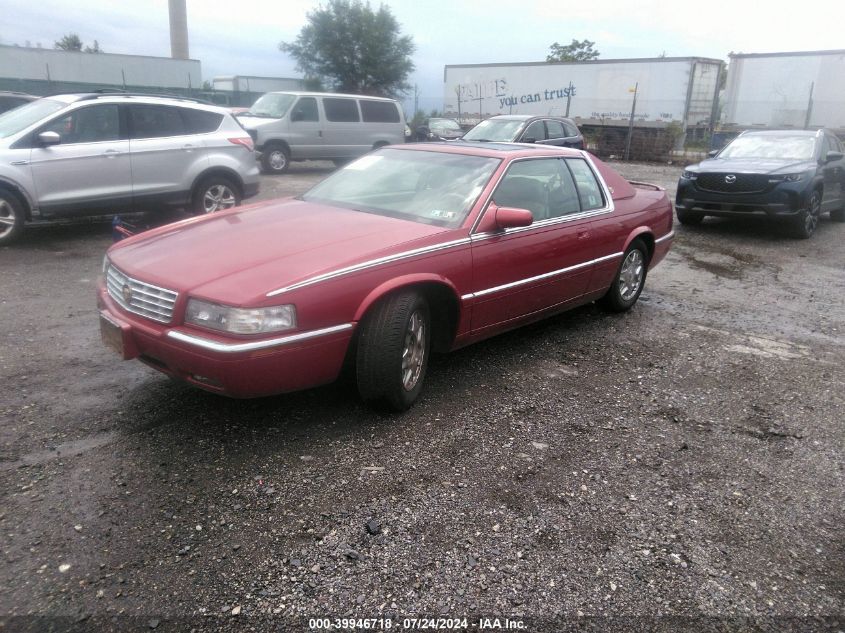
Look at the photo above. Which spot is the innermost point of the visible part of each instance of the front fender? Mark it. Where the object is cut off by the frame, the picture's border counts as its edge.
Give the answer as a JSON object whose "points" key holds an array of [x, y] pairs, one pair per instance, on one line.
{"points": [[404, 281]]}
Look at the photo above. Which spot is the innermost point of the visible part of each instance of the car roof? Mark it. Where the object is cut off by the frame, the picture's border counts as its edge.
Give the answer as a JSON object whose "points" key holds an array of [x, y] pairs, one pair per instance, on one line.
{"points": [[491, 150], [526, 117], [300, 93], [788, 132], [123, 97]]}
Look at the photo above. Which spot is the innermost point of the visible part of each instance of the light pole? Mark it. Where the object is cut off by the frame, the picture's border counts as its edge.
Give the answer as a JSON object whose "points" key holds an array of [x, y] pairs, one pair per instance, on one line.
{"points": [[631, 120]]}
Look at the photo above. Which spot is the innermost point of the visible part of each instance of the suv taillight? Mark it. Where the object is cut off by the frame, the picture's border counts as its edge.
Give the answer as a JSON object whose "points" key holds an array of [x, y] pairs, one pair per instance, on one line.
{"points": [[246, 141]]}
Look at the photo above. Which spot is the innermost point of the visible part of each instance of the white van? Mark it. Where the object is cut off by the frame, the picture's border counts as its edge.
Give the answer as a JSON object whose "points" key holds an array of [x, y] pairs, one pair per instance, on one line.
{"points": [[290, 126]]}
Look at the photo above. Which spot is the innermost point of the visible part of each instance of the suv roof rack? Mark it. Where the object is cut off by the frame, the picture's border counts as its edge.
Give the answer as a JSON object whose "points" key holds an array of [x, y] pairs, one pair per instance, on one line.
{"points": [[115, 92]]}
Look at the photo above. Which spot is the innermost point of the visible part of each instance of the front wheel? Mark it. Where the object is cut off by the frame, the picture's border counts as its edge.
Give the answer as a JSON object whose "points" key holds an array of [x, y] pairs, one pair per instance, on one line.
{"points": [[275, 159], [215, 194], [11, 217], [393, 348], [629, 280], [805, 222]]}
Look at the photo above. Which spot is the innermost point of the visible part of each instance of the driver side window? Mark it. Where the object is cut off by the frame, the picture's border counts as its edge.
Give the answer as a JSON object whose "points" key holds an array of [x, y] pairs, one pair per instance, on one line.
{"points": [[305, 110], [89, 124]]}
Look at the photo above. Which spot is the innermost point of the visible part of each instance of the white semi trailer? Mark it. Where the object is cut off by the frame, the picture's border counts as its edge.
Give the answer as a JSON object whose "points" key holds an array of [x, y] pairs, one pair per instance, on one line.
{"points": [[680, 90], [775, 90]]}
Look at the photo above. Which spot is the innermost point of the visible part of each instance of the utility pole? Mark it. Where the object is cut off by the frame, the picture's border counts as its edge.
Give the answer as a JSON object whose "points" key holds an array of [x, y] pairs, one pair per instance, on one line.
{"points": [[631, 121], [568, 99], [458, 96], [416, 99], [809, 106]]}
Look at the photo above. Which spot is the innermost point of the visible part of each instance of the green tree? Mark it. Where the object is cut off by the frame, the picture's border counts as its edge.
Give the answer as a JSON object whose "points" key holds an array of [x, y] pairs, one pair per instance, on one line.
{"points": [[69, 42], [352, 48], [575, 52]]}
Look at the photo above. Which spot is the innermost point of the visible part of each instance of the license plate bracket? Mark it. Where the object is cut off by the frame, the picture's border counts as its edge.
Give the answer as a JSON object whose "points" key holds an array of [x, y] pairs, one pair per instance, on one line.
{"points": [[113, 336]]}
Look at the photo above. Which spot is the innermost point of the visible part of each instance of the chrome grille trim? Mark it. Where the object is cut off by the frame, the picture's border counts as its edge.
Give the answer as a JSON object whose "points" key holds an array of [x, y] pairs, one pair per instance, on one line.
{"points": [[147, 300]]}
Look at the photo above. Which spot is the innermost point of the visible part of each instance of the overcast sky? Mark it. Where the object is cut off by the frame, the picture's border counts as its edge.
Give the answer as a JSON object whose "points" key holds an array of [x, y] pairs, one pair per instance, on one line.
{"points": [[241, 37]]}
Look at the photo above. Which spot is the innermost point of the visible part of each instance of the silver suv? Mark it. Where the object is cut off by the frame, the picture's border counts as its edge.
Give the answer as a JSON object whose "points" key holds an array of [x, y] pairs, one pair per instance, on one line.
{"points": [[94, 154]]}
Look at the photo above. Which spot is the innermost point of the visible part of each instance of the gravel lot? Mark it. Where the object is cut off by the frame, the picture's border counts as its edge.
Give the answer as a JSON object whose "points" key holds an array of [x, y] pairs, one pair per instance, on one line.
{"points": [[679, 467]]}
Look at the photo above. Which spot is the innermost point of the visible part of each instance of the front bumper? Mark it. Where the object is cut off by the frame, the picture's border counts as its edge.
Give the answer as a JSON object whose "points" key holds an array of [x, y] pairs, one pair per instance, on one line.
{"points": [[239, 368], [783, 201]]}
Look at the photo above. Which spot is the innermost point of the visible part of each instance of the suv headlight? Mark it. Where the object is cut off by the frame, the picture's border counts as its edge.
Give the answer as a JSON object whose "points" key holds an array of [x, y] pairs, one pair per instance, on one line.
{"points": [[788, 177], [240, 320], [689, 175]]}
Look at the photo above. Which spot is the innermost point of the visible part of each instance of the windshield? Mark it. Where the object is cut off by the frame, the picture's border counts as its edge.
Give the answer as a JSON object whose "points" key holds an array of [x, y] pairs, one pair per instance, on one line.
{"points": [[427, 187], [502, 130], [758, 146], [20, 118], [444, 125], [272, 105]]}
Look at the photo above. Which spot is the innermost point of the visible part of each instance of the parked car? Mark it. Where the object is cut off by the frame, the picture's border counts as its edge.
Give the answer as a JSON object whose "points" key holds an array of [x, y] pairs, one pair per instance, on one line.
{"points": [[93, 154], [439, 129], [788, 175], [528, 128], [290, 126], [412, 248], [11, 100]]}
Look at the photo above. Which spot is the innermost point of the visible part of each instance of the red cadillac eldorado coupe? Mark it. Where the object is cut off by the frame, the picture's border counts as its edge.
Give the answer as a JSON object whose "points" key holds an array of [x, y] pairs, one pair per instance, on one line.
{"points": [[407, 250]]}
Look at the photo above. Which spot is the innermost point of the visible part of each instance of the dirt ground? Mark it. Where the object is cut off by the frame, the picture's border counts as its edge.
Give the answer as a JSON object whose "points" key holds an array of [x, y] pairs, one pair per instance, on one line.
{"points": [[678, 467]]}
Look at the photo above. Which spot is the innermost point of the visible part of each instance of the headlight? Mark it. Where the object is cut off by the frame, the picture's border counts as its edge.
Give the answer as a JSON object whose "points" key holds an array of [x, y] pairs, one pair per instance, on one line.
{"points": [[689, 175], [240, 320], [787, 178]]}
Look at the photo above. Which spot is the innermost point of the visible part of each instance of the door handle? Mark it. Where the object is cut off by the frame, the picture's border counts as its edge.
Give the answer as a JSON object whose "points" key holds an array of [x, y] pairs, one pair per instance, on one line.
{"points": [[583, 235], [188, 147], [111, 153], [320, 133], [19, 162]]}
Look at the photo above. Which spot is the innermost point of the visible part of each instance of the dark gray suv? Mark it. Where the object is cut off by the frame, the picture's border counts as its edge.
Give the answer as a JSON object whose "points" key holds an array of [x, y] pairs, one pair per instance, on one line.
{"points": [[96, 154]]}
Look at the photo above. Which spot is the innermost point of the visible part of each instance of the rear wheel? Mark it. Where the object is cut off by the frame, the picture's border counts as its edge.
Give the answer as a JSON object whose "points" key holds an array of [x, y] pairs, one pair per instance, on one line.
{"points": [[689, 218], [393, 348], [216, 193], [275, 159], [629, 280], [805, 222], [11, 217]]}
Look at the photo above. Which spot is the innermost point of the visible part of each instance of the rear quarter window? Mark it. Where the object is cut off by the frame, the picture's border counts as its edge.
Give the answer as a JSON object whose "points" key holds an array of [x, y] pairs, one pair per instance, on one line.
{"points": [[200, 121], [589, 191], [341, 110], [379, 112], [154, 121]]}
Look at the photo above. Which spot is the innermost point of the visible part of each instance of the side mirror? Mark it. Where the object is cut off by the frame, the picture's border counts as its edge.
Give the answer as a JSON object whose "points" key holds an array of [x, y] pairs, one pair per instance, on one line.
{"points": [[49, 138], [510, 217], [832, 156], [712, 153]]}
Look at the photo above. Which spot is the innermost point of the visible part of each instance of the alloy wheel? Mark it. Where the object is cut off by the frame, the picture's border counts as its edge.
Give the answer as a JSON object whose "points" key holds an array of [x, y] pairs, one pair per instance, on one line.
{"points": [[631, 275], [277, 159], [7, 217], [217, 198], [413, 355]]}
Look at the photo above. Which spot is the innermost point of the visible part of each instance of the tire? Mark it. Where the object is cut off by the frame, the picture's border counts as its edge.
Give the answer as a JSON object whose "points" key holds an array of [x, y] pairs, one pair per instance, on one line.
{"points": [[805, 222], [838, 215], [275, 159], [689, 218], [215, 193], [629, 279], [11, 217], [396, 328]]}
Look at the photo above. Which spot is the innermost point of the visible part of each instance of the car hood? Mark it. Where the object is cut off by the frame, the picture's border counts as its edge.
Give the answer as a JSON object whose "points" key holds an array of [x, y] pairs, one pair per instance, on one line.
{"points": [[237, 256], [254, 122], [752, 165]]}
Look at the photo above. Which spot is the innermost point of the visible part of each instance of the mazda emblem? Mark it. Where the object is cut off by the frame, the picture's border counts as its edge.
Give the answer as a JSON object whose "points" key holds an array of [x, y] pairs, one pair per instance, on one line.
{"points": [[730, 179], [126, 291]]}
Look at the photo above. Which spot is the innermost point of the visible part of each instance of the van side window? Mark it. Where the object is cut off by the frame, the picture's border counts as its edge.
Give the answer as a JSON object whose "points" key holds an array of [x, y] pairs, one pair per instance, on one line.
{"points": [[379, 112], [341, 110], [305, 110]]}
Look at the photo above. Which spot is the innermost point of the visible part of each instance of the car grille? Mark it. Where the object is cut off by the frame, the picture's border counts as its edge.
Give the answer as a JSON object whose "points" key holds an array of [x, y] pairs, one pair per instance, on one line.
{"points": [[141, 298], [744, 183]]}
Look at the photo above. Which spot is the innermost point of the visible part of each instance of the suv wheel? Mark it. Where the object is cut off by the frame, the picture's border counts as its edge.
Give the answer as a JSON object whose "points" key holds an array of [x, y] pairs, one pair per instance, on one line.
{"points": [[11, 217], [215, 194], [805, 222], [275, 159]]}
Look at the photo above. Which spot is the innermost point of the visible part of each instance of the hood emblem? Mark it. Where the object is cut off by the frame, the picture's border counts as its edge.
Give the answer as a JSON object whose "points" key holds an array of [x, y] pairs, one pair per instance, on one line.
{"points": [[126, 291], [730, 179]]}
